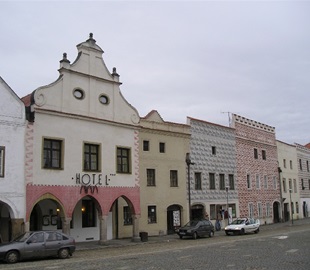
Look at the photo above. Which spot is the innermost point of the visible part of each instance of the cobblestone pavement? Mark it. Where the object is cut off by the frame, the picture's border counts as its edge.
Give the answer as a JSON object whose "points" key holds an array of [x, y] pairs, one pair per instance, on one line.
{"points": [[174, 237]]}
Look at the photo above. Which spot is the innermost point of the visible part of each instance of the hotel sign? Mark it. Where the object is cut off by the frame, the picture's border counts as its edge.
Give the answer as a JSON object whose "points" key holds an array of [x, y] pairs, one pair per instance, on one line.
{"points": [[90, 182]]}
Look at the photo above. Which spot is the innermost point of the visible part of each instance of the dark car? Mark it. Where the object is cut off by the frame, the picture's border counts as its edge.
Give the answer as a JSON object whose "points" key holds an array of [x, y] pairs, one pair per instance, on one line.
{"points": [[197, 228], [38, 244]]}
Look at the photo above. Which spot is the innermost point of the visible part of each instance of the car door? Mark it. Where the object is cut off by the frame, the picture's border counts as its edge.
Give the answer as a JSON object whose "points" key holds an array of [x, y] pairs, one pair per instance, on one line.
{"points": [[35, 246], [53, 243]]}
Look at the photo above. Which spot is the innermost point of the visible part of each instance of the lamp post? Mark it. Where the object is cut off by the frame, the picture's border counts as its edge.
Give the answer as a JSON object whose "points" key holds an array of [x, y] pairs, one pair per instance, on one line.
{"points": [[189, 162], [290, 190], [227, 189]]}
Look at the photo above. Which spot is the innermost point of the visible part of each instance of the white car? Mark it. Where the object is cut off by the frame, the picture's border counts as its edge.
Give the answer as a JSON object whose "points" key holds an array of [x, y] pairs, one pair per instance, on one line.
{"points": [[242, 226]]}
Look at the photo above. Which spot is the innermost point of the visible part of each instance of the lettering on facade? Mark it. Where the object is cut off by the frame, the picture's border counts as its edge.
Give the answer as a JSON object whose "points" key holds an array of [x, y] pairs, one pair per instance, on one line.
{"points": [[91, 182]]}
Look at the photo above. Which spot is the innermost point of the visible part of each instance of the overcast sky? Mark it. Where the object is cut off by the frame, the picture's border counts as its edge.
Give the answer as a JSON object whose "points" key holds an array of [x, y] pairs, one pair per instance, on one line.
{"points": [[181, 58]]}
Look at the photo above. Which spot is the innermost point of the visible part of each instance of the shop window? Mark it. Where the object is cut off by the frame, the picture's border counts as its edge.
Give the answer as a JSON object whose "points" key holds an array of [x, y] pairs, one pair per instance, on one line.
{"points": [[88, 214], [152, 214]]}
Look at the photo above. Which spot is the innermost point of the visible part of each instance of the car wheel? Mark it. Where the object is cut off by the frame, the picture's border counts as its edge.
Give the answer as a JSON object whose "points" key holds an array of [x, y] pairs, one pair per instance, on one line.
{"points": [[195, 236], [63, 253], [211, 233], [181, 236], [242, 232], [227, 233], [12, 257], [256, 231]]}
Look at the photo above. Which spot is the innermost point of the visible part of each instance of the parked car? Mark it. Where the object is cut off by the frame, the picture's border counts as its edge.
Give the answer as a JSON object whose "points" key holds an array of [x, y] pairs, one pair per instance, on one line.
{"points": [[242, 226], [197, 228], [38, 244]]}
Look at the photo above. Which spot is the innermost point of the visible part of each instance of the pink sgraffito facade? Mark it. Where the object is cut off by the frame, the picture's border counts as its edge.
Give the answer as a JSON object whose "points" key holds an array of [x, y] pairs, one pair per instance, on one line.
{"points": [[257, 170]]}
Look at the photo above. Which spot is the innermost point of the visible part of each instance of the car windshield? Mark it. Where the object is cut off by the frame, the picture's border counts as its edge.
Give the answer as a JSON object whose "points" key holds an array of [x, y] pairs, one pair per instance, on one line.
{"points": [[237, 222], [192, 223], [22, 237]]}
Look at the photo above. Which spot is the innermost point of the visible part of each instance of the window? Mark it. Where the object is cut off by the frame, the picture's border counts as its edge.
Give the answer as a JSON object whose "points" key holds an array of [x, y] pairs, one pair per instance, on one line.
{"points": [[2, 156], [78, 93], [248, 181], [251, 210], [268, 209], [307, 166], [290, 185], [222, 182], [52, 153], [161, 147], [265, 182], [284, 184], [284, 163], [231, 182], [146, 146], [103, 99], [88, 214], [151, 213], [255, 153], [127, 215], [300, 164], [302, 184], [297, 208], [213, 150], [264, 154], [212, 180], [173, 178], [309, 183], [259, 209], [292, 207], [123, 160], [213, 214], [91, 157], [295, 186], [257, 182], [291, 165], [197, 181], [274, 182], [150, 177]]}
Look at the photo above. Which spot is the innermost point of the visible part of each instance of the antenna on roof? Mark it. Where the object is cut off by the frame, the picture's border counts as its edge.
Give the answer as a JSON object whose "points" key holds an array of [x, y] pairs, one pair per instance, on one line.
{"points": [[229, 117]]}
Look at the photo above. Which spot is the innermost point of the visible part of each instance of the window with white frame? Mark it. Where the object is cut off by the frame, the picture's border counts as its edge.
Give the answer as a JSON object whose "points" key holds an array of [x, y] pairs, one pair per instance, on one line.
{"points": [[268, 213], [274, 182], [251, 210], [265, 182], [257, 182], [259, 209], [2, 157]]}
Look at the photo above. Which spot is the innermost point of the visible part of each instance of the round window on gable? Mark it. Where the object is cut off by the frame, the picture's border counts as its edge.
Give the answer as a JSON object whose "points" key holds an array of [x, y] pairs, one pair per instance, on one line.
{"points": [[104, 99], [78, 93]]}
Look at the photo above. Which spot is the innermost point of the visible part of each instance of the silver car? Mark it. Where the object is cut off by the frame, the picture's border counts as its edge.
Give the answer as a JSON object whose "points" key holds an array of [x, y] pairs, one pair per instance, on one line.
{"points": [[242, 226], [38, 244]]}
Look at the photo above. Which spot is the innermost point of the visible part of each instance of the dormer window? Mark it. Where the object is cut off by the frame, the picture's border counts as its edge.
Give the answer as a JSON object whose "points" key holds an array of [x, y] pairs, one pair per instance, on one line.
{"points": [[78, 93], [104, 99]]}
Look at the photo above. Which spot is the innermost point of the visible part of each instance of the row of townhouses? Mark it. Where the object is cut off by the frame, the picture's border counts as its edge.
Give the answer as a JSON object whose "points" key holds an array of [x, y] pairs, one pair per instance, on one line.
{"points": [[75, 156]]}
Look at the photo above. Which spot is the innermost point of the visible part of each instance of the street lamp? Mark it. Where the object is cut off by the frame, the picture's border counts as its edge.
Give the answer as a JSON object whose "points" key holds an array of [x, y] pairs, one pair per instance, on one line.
{"points": [[290, 190], [189, 162], [227, 189]]}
